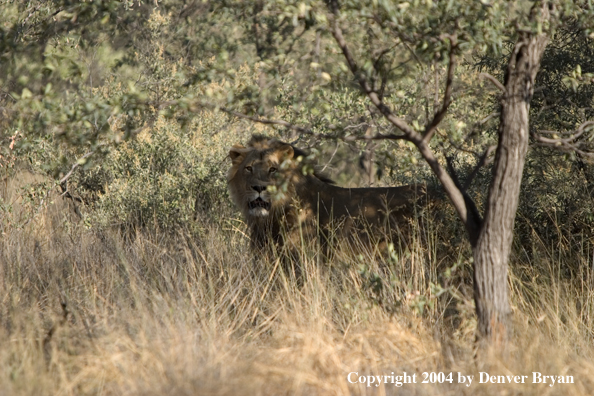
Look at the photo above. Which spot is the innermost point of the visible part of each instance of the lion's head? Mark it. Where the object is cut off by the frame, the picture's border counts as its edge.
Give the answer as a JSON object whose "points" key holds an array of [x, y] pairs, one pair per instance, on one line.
{"points": [[255, 176]]}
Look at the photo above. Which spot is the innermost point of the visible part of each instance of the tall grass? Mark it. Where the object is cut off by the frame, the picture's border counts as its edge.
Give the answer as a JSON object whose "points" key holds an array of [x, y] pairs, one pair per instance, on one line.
{"points": [[104, 312]]}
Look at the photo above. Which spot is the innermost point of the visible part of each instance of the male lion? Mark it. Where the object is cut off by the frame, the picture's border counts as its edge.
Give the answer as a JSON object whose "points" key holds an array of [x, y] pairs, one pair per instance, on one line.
{"points": [[284, 199]]}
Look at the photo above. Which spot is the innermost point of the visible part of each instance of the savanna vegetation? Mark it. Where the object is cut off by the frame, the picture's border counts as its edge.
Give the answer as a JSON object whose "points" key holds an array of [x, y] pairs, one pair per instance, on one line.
{"points": [[125, 269]]}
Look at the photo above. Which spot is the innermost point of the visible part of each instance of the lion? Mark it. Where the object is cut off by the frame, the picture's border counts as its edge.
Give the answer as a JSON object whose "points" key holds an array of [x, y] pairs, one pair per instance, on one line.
{"points": [[285, 200]]}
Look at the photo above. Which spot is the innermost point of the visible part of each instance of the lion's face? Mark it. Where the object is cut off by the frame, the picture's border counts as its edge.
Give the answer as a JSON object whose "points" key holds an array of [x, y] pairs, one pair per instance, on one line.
{"points": [[254, 177]]}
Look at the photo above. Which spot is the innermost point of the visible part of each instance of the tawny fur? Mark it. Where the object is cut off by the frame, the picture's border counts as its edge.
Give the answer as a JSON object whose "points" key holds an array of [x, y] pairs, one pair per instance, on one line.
{"points": [[284, 200]]}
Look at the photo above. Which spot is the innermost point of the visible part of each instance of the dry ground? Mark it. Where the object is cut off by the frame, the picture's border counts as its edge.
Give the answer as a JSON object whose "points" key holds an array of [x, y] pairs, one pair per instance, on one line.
{"points": [[90, 312]]}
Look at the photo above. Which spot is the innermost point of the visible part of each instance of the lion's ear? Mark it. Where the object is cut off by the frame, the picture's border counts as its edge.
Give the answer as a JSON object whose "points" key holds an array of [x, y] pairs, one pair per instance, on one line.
{"points": [[285, 152], [237, 153]]}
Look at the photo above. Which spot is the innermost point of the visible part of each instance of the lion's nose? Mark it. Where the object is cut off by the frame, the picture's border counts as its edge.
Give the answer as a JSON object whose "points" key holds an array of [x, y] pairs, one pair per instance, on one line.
{"points": [[259, 188]]}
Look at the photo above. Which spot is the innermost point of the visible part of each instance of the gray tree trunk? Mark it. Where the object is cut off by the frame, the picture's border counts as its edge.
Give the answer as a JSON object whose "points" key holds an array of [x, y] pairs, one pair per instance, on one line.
{"points": [[492, 249]]}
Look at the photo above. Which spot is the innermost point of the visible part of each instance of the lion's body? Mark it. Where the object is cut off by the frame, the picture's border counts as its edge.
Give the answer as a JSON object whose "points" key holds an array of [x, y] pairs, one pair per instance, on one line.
{"points": [[282, 204]]}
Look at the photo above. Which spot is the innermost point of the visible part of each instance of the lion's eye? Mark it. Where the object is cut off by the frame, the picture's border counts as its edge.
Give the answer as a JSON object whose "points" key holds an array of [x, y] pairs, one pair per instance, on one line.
{"points": [[248, 168], [272, 170]]}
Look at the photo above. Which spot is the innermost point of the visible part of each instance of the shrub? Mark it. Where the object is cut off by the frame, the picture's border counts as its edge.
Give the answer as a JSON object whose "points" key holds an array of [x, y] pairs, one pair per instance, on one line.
{"points": [[165, 177]]}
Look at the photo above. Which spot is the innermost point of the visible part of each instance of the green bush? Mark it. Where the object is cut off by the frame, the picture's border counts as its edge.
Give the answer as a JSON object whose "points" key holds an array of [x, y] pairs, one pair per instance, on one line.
{"points": [[165, 177]]}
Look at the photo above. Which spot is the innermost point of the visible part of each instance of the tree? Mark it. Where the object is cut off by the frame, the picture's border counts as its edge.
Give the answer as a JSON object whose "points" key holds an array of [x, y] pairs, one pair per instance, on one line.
{"points": [[435, 31], [490, 237]]}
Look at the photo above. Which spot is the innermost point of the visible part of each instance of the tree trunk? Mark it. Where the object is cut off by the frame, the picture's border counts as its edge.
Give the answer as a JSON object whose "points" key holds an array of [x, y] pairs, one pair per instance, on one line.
{"points": [[491, 252]]}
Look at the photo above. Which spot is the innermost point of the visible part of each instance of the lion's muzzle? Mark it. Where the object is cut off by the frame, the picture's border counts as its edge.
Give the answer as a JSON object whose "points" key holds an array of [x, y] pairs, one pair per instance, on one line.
{"points": [[259, 207]]}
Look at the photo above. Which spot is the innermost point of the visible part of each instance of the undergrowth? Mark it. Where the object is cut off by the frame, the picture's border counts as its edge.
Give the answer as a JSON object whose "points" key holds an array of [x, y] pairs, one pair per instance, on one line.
{"points": [[101, 311]]}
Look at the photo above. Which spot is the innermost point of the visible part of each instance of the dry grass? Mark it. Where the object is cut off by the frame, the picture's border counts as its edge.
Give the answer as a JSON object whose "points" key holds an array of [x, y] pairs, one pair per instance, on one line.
{"points": [[87, 312]]}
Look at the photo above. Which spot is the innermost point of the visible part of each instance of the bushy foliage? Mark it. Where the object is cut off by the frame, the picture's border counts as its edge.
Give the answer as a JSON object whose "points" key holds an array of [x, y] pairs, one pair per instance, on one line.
{"points": [[157, 179]]}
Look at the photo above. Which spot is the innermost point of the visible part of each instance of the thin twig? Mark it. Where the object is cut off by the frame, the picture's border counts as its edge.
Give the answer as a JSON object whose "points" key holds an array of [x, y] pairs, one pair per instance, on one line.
{"points": [[61, 183], [267, 121], [447, 96], [568, 140], [76, 165], [567, 144], [288, 125], [474, 128]]}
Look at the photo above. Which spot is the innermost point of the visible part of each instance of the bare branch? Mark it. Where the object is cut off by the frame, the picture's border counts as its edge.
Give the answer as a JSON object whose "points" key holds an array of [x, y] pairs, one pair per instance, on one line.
{"points": [[373, 96], [453, 172], [61, 183], [460, 148], [487, 118], [462, 204], [493, 80], [580, 131], [377, 136], [384, 74], [363, 124], [436, 91], [381, 55], [447, 96], [569, 149], [568, 143], [546, 107], [288, 125], [411, 51]]}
